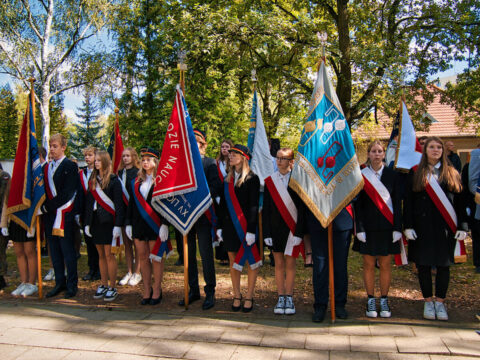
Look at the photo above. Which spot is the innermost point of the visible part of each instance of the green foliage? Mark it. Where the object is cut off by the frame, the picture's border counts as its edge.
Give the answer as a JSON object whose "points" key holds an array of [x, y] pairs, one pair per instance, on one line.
{"points": [[9, 125]]}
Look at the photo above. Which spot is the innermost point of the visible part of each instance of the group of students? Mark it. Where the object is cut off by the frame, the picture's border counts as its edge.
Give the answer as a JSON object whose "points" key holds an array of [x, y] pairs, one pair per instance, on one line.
{"points": [[115, 208]]}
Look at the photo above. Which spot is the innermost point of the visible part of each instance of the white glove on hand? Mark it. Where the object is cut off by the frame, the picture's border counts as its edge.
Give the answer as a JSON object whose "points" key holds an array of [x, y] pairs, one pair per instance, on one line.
{"points": [[397, 235], [217, 199], [297, 240], [117, 232], [219, 235], [250, 239], [410, 234], [361, 236], [87, 231], [268, 241], [460, 235], [77, 220], [128, 231], [5, 232], [31, 234], [163, 233]]}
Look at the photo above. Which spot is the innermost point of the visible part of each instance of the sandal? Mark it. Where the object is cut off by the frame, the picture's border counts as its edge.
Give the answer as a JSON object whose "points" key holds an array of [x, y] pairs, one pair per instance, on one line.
{"points": [[237, 308], [309, 264], [245, 309]]}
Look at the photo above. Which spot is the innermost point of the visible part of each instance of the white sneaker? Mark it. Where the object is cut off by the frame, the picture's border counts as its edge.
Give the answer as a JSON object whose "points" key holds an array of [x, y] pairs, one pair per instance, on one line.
{"points": [[19, 289], [289, 306], [135, 279], [50, 275], [429, 310], [371, 308], [29, 290], [125, 279], [441, 311], [384, 308], [279, 309]]}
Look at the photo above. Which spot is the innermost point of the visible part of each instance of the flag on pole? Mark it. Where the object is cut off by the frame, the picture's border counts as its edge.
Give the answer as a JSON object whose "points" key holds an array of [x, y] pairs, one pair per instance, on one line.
{"points": [[261, 162], [27, 190], [409, 150], [115, 149], [326, 174], [181, 192]]}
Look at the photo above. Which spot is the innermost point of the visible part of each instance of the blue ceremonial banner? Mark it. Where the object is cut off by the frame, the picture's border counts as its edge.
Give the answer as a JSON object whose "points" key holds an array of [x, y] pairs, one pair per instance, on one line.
{"points": [[261, 162], [326, 174], [181, 192], [27, 190]]}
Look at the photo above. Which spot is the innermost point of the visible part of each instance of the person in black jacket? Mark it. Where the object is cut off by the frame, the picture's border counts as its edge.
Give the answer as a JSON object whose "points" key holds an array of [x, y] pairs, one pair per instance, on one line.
{"points": [[141, 233], [430, 230], [246, 188], [379, 226], [127, 172], [104, 217], [202, 230], [61, 185]]}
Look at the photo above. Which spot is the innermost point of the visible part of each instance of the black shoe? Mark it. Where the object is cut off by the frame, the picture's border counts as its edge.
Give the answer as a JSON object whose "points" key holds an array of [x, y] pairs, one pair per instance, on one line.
{"points": [[3, 284], [179, 262], [319, 314], [70, 294], [56, 290], [146, 301], [157, 300], [237, 308], [245, 309], [341, 313], [89, 276], [191, 299], [209, 302]]}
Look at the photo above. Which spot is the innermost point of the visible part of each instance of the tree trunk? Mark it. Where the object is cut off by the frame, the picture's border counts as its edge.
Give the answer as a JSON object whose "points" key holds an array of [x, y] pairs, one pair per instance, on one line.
{"points": [[45, 113]]}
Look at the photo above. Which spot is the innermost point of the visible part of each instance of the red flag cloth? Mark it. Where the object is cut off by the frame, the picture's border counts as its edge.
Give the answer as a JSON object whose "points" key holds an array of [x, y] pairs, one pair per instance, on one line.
{"points": [[117, 148]]}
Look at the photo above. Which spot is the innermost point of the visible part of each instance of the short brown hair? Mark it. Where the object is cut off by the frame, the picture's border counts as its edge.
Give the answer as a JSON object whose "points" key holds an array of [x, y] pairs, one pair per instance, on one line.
{"points": [[58, 138], [89, 149]]}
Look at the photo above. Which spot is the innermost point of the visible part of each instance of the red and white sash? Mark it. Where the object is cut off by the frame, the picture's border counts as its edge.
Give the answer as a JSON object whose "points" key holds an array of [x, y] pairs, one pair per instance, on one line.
{"points": [[107, 204], [285, 205], [378, 193], [125, 194], [401, 259], [441, 202], [83, 180]]}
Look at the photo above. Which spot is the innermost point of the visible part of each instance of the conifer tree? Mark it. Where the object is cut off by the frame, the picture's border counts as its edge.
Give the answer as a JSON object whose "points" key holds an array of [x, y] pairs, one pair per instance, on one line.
{"points": [[9, 126]]}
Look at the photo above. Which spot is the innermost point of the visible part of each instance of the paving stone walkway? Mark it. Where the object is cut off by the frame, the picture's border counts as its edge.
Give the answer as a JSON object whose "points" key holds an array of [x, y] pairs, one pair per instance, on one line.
{"points": [[68, 332]]}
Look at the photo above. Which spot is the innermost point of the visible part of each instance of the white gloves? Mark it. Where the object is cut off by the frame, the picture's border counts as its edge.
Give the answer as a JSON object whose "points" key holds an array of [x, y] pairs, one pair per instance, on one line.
{"points": [[128, 231], [460, 235], [31, 234], [268, 241], [77, 220], [217, 199], [87, 231], [250, 239], [117, 232], [410, 234], [163, 233], [5, 231], [397, 235], [297, 240], [219, 235], [361, 236]]}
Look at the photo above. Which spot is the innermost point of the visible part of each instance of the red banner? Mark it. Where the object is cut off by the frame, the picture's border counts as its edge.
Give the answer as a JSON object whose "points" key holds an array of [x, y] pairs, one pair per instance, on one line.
{"points": [[117, 148]]}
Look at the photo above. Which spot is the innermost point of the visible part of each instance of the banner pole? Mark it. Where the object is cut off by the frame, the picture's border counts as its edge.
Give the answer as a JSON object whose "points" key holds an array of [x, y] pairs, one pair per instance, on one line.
{"points": [[330, 272], [39, 259], [185, 269]]}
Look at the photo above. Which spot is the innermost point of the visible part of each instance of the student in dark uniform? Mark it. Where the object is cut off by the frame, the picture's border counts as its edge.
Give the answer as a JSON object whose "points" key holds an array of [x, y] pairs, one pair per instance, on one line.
{"points": [[127, 172], [276, 231], [202, 230], [246, 186], [61, 185], [4, 183], [378, 218], [432, 229], [104, 218], [84, 175], [141, 233]]}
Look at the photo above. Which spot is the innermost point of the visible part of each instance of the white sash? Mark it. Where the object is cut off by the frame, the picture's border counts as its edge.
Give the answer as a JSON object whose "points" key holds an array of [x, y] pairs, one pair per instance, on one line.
{"points": [[441, 201], [378, 186], [123, 182], [84, 180], [59, 222], [105, 199]]}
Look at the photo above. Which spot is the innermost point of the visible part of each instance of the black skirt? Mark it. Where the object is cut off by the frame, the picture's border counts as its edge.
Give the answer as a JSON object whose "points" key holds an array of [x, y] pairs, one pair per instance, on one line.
{"points": [[379, 243], [279, 244], [102, 234], [18, 234]]}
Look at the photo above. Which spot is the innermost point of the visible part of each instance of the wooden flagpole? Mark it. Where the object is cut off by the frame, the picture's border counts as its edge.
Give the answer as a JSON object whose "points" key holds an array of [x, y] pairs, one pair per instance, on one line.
{"points": [[117, 110], [330, 272]]}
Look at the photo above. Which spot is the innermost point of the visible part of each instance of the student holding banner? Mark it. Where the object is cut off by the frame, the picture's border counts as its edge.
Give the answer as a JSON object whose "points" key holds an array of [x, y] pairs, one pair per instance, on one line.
{"points": [[104, 217], [379, 224], [127, 172], [433, 220], [147, 228], [279, 229], [238, 221]]}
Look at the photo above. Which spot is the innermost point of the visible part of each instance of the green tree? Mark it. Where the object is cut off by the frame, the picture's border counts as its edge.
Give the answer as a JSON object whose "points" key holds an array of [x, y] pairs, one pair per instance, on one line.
{"points": [[9, 126]]}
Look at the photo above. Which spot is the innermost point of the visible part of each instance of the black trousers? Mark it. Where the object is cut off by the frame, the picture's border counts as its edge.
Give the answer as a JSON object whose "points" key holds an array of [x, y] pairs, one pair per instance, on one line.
{"points": [[179, 241], [475, 227], [92, 254], [341, 245], [203, 233], [441, 280]]}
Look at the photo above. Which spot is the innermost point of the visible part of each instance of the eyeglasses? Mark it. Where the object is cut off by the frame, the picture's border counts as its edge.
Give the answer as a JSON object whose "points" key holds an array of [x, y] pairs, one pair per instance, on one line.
{"points": [[282, 158]]}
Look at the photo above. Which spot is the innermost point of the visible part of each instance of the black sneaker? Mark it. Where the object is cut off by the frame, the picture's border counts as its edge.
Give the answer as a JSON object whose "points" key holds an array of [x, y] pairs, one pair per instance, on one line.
{"points": [[111, 294], [101, 292]]}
